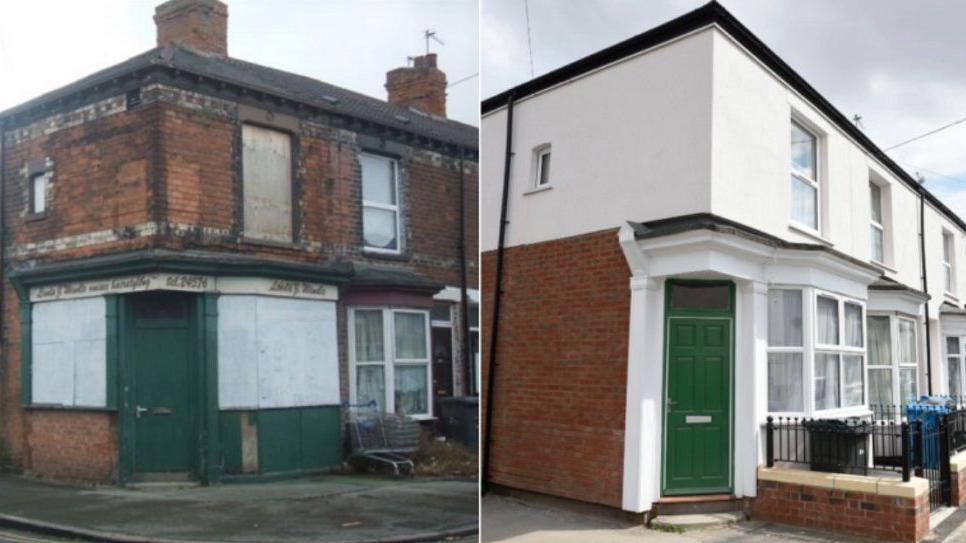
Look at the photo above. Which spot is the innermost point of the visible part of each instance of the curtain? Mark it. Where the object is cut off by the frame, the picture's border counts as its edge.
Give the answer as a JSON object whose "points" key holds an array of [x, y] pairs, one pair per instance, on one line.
{"points": [[955, 377], [803, 203], [877, 251], [785, 382], [853, 325], [411, 393], [379, 228], [880, 342], [880, 386], [371, 385], [907, 342], [907, 385], [785, 318], [826, 381], [369, 336], [410, 336], [852, 376], [828, 321]]}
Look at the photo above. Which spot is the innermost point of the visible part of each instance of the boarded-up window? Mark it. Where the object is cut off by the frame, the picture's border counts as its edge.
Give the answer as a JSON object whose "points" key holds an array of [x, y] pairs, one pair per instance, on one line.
{"points": [[276, 352], [69, 353], [267, 167]]}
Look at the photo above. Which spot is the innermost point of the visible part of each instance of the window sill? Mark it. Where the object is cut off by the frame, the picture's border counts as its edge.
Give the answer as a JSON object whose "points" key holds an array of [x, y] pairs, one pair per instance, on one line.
{"points": [[422, 418], [278, 244], [951, 297], [801, 229], [59, 407], [31, 217], [538, 189], [843, 412], [387, 255]]}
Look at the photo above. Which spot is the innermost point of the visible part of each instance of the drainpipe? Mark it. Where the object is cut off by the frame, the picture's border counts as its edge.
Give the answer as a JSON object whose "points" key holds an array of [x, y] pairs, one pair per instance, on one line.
{"points": [[497, 295], [925, 284], [464, 303]]}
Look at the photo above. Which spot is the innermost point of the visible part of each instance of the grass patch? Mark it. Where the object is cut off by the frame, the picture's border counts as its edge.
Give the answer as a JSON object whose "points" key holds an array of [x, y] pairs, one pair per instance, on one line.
{"points": [[444, 458]]}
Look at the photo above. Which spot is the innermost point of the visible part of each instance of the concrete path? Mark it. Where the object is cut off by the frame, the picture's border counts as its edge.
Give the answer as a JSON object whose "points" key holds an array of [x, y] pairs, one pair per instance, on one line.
{"points": [[513, 521], [330, 508]]}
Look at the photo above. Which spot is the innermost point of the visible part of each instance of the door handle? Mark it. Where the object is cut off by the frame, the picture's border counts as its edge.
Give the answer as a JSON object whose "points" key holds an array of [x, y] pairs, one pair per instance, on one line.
{"points": [[138, 410]]}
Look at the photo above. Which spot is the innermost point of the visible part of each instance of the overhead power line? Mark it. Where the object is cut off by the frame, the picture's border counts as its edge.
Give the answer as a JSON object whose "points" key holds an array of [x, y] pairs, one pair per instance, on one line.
{"points": [[526, 9], [458, 81], [931, 132]]}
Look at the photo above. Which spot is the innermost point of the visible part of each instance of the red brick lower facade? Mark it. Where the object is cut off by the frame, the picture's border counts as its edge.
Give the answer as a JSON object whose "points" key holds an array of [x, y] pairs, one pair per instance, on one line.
{"points": [[957, 487], [77, 446], [887, 518], [559, 398]]}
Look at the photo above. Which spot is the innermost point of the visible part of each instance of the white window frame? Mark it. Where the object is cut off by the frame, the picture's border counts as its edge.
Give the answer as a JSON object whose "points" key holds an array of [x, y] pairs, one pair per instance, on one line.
{"points": [[949, 258], [390, 361], [961, 357], [791, 349], [385, 207], [38, 206], [537, 169], [814, 183], [811, 347], [876, 225], [452, 338], [896, 364]]}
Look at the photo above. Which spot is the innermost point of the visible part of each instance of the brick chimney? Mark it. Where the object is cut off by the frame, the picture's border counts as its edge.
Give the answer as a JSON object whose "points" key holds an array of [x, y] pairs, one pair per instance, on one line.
{"points": [[421, 86], [201, 25]]}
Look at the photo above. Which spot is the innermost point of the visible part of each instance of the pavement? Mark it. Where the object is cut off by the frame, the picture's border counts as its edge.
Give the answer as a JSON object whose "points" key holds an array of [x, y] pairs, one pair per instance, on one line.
{"points": [[514, 521], [327, 508]]}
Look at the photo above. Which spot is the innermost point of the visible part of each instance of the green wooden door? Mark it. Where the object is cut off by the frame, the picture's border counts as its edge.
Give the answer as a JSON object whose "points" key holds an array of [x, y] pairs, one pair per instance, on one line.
{"points": [[698, 406], [162, 410]]}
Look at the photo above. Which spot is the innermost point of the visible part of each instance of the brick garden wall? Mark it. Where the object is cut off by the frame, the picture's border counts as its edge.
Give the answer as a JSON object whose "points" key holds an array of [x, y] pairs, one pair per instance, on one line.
{"points": [[864, 514], [558, 422]]}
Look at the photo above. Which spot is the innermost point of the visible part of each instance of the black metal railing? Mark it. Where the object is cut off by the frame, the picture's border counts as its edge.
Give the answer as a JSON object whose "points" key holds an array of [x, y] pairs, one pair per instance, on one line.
{"points": [[825, 445], [956, 430]]}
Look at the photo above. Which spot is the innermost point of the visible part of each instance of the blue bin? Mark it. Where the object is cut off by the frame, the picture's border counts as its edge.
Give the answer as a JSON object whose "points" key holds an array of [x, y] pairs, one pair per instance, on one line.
{"points": [[927, 410]]}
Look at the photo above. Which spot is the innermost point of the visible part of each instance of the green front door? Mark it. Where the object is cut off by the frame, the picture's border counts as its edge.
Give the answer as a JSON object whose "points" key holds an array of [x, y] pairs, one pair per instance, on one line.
{"points": [[698, 400], [164, 440]]}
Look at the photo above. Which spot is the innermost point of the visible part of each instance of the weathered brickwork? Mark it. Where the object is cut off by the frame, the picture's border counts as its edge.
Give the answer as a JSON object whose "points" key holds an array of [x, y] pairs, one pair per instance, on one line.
{"points": [[886, 518], [166, 174], [957, 488], [558, 424]]}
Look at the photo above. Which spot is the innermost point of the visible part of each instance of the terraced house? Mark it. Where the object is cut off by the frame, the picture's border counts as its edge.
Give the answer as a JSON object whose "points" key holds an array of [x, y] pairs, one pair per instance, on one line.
{"points": [[682, 239], [205, 258]]}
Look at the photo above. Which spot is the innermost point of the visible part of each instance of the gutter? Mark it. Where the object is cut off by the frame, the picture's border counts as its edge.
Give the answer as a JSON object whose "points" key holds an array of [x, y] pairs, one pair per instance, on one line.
{"points": [[464, 302], [497, 296], [925, 284]]}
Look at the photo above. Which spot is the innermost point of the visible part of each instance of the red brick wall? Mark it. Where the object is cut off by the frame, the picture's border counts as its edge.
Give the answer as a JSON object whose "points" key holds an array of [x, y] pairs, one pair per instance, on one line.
{"points": [[558, 421], [72, 445], [957, 488], [857, 513]]}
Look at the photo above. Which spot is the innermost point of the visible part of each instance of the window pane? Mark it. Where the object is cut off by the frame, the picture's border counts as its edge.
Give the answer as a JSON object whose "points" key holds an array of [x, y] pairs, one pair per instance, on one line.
{"points": [[826, 381], [875, 194], [948, 278], [544, 169], [880, 387], [853, 325], [696, 296], [803, 151], [785, 382], [40, 193], [877, 251], [411, 392], [440, 312], [785, 318], [955, 376], [410, 336], [947, 247], [952, 345], [371, 385], [804, 208], [828, 321], [379, 227], [369, 336], [474, 316], [853, 381], [378, 180], [907, 342], [880, 341], [907, 385]]}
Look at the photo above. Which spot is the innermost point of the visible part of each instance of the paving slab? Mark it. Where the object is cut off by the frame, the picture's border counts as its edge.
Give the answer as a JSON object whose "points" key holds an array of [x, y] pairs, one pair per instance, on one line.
{"points": [[329, 508]]}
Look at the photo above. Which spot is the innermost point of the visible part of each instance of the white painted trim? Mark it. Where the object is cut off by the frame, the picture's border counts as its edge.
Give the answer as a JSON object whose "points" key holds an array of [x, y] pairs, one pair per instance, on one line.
{"points": [[452, 294]]}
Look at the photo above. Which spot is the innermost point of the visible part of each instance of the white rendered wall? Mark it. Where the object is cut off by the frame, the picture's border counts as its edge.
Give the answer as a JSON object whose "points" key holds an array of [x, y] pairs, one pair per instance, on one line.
{"points": [[629, 142]]}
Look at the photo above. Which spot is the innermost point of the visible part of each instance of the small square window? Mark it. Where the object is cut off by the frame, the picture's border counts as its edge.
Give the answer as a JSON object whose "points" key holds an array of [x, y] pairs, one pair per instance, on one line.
{"points": [[38, 193]]}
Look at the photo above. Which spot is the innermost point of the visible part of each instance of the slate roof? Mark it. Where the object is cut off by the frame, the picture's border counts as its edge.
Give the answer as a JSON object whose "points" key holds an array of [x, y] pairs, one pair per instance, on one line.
{"points": [[275, 82]]}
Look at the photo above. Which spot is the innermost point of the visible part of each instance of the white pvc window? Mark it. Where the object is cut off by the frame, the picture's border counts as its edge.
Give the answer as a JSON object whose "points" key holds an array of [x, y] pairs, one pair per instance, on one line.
{"points": [[390, 359], [786, 351], [956, 364], [69, 353], [893, 361], [948, 269], [543, 167], [380, 203], [804, 178], [839, 370], [876, 230]]}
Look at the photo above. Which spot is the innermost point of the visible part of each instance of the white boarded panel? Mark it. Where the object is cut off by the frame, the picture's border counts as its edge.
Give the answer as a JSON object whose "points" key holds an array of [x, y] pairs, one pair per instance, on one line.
{"points": [[237, 353], [267, 183], [69, 352]]}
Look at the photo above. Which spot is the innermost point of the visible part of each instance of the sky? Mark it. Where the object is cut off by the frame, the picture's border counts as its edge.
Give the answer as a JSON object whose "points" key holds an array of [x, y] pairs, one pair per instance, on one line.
{"points": [[46, 44], [900, 64]]}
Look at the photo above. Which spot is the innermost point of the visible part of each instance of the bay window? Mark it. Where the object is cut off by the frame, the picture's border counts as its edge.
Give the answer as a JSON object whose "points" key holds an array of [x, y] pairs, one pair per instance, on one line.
{"points": [[804, 177], [816, 352], [390, 359], [893, 361]]}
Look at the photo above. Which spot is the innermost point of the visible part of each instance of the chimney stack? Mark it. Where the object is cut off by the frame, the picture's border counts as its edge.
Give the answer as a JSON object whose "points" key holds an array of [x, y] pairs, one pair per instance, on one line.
{"points": [[421, 86], [201, 25]]}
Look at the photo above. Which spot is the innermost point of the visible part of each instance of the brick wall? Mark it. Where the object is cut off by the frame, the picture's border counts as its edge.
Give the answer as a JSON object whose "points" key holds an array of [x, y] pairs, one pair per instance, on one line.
{"points": [[72, 445], [558, 422], [887, 518]]}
